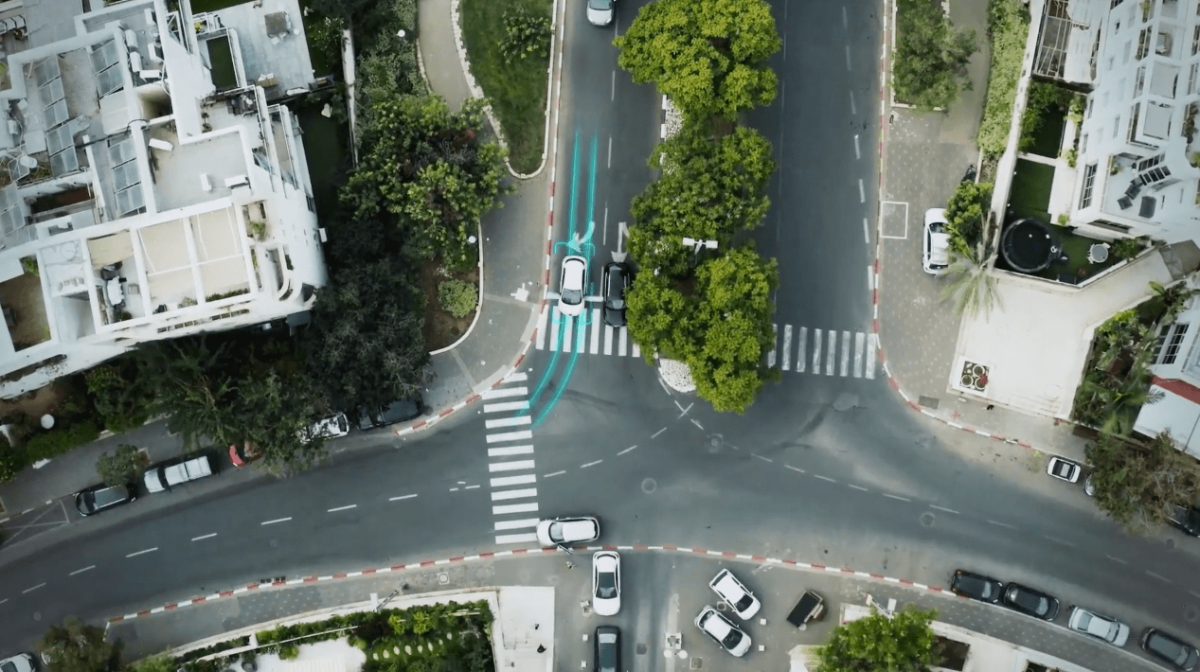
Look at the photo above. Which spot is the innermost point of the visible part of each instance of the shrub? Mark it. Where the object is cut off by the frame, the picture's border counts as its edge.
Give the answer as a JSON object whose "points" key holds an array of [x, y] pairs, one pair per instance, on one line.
{"points": [[525, 34], [965, 214], [931, 56], [125, 466], [10, 461], [1008, 27], [458, 297], [1127, 248], [57, 441], [289, 652], [1042, 97]]}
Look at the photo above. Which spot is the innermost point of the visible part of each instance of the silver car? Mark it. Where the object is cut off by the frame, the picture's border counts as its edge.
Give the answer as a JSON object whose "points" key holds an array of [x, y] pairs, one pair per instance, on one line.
{"points": [[1101, 627]]}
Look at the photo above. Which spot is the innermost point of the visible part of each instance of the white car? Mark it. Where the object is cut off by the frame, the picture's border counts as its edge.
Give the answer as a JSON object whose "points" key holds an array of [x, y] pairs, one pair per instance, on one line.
{"points": [[935, 242], [736, 595], [563, 531], [600, 12], [22, 662], [723, 631], [1064, 470], [606, 583], [332, 427], [572, 286], [1101, 627]]}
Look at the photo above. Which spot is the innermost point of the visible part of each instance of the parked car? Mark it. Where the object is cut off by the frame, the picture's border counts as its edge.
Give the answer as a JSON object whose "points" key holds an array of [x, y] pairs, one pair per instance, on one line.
{"points": [[1064, 470], [606, 583], [572, 285], [164, 475], [935, 243], [1032, 602], [714, 624], [976, 586], [735, 594], [1186, 519], [103, 497], [1101, 627], [331, 427], [562, 531], [241, 454], [1089, 487], [1167, 647], [397, 411], [617, 279], [600, 12], [22, 662], [608, 649]]}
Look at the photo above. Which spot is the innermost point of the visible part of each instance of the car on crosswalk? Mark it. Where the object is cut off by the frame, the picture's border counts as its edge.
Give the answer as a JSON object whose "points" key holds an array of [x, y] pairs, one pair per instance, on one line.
{"points": [[563, 531], [935, 242], [616, 281], [572, 285], [606, 583], [735, 594], [714, 624]]}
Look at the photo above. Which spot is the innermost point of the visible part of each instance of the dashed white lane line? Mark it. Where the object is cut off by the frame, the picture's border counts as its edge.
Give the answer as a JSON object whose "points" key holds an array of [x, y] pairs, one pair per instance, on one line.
{"points": [[697, 423], [515, 465], [396, 499], [31, 589], [503, 509], [862, 194], [342, 508], [80, 571], [472, 487], [898, 497], [522, 524], [502, 392], [522, 493], [510, 450], [1160, 577], [858, 487], [277, 520], [795, 468], [510, 436], [626, 450], [202, 537], [506, 406], [504, 481], [142, 552], [764, 459], [1056, 540], [655, 435], [590, 464], [560, 472], [1119, 560], [1193, 593], [857, 148], [824, 478], [1000, 524], [515, 421], [942, 508]]}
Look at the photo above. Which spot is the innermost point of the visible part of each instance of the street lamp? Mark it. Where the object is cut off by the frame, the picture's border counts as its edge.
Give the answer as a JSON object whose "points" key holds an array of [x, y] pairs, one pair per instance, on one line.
{"points": [[698, 244]]}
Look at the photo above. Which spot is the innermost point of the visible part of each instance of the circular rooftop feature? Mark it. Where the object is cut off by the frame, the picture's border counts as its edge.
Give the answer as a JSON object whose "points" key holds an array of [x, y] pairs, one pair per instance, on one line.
{"points": [[1029, 246]]}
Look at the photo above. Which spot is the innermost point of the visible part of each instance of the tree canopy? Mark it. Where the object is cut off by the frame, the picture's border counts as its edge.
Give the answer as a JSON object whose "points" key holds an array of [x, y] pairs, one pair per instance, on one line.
{"points": [[708, 57], [75, 647], [903, 643], [929, 68], [1139, 484]]}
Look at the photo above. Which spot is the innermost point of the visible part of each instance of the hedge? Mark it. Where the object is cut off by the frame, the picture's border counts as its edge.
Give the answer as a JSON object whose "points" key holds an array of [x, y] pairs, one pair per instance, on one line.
{"points": [[55, 442], [1008, 28]]}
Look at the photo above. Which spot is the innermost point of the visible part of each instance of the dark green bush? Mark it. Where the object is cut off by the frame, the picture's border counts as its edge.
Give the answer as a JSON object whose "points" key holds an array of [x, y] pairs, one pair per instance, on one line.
{"points": [[51, 444]]}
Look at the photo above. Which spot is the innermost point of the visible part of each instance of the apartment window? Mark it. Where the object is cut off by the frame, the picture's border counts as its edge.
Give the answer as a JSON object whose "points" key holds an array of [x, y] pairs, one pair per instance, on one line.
{"points": [[1111, 226], [1128, 52], [1147, 164], [1144, 44], [1192, 75], [1196, 39], [1089, 180], [1089, 107], [1116, 127], [1133, 121], [1115, 4], [1083, 144], [1169, 345], [1139, 82]]}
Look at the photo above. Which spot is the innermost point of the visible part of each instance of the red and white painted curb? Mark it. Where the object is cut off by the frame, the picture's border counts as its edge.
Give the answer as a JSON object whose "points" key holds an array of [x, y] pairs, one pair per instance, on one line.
{"points": [[526, 552]]}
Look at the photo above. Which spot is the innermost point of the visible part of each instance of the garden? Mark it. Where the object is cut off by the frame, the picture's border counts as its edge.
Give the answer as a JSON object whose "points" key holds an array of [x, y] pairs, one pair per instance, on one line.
{"points": [[929, 66]]}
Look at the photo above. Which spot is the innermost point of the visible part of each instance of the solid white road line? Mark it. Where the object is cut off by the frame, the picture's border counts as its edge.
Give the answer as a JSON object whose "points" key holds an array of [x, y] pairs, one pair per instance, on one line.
{"points": [[506, 406], [80, 571], [516, 377], [142, 552], [277, 520], [816, 363], [396, 499], [510, 450], [872, 356], [845, 370], [514, 421], [342, 508], [522, 524], [787, 347], [621, 342], [503, 481], [831, 353], [501, 495], [608, 339], [509, 436], [567, 329], [516, 538], [504, 392], [774, 344], [502, 509], [801, 350], [859, 341], [515, 465], [543, 318]]}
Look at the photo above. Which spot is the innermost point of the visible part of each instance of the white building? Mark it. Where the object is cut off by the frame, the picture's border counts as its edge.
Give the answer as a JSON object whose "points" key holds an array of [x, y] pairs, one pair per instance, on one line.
{"points": [[1140, 63], [149, 189]]}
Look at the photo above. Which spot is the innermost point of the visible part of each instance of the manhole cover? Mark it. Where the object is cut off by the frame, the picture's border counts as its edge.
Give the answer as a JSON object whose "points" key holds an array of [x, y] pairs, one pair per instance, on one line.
{"points": [[928, 402], [641, 649], [443, 578], [649, 485], [927, 519], [695, 663]]}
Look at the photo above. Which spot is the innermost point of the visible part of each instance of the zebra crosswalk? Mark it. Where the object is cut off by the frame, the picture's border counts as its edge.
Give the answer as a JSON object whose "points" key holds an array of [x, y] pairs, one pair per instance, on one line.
{"points": [[510, 461], [827, 352], [586, 334]]}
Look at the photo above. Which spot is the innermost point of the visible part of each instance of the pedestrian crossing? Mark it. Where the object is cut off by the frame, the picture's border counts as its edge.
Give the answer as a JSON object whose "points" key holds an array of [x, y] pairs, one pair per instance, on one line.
{"points": [[586, 334], [510, 452], [827, 352]]}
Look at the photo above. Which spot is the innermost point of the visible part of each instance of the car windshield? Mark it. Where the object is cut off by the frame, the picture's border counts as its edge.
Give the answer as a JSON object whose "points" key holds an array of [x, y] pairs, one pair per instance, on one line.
{"points": [[744, 603], [608, 651], [601, 5], [606, 585], [1042, 605], [7, 667], [732, 639], [572, 296]]}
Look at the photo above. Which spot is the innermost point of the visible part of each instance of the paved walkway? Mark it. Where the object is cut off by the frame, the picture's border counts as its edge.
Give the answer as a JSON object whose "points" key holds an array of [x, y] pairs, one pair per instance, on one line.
{"points": [[925, 157]]}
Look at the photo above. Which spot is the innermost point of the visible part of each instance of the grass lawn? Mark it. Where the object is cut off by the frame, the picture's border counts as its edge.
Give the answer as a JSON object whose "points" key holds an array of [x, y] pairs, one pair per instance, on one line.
{"points": [[1076, 248], [516, 89], [220, 55], [1030, 195]]}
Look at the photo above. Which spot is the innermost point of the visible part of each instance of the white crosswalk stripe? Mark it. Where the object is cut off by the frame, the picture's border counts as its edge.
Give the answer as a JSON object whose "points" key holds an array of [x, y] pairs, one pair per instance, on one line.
{"points": [[774, 343], [514, 461], [855, 356], [586, 334], [595, 344]]}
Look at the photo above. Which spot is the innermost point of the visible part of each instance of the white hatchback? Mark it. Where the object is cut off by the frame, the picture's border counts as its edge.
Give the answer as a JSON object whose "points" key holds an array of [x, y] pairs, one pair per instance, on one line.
{"points": [[22, 662], [723, 631], [562, 531], [572, 285], [1064, 470], [935, 242], [736, 595], [606, 583]]}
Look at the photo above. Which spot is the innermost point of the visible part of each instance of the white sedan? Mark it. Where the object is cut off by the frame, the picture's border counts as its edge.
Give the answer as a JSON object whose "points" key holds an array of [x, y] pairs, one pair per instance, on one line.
{"points": [[22, 662], [1064, 470], [723, 631], [572, 285], [736, 595], [563, 531], [935, 242], [606, 583]]}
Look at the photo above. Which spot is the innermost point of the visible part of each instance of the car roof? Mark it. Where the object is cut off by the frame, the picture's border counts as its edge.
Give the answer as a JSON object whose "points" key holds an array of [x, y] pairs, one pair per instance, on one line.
{"points": [[939, 248], [715, 625], [728, 585], [581, 527], [935, 215], [574, 280]]}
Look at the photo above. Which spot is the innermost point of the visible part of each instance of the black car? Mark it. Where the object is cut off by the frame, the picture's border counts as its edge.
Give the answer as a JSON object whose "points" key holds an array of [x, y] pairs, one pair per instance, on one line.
{"points": [[616, 283], [397, 411], [976, 586], [1161, 645], [1029, 601], [1186, 519], [608, 649], [102, 497]]}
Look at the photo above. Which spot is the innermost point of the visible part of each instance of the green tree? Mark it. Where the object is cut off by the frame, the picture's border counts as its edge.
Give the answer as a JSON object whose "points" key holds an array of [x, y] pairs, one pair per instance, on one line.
{"points": [[966, 214], [120, 397], [708, 57], [659, 316], [929, 69], [164, 662], [709, 189], [1139, 484], [968, 282], [365, 343], [75, 647], [122, 467], [903, 643]]}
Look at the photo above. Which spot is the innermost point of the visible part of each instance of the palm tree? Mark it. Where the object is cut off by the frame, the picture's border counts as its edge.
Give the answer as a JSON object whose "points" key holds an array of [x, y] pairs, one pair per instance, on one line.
{"points": [[968, 282]]}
